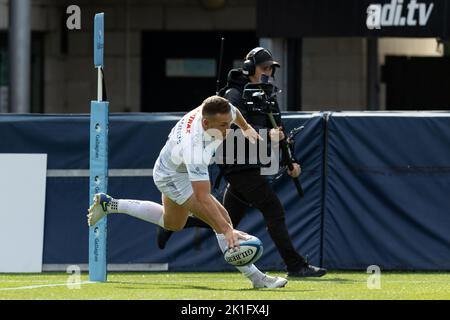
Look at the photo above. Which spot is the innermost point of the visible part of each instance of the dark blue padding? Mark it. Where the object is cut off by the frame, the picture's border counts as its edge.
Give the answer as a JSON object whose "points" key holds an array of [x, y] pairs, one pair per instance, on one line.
{"points": [[377, 209], [388, 188], [135, 141]]}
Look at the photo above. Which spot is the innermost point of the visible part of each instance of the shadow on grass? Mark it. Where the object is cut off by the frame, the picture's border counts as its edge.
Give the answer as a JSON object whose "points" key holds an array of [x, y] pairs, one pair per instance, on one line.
{"points": [[162, 286], [337, 280], [279, 290]]}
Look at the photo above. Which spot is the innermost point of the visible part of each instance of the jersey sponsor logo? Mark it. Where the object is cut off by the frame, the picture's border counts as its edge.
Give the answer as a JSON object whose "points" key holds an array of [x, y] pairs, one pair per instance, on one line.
{"points": [[398, 13], [179, 131], [198, 172], [190, 121]]}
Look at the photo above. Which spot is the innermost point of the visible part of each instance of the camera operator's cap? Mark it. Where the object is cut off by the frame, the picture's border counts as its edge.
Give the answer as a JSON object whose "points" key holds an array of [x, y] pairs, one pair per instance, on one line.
{"points": [[264, 58]]}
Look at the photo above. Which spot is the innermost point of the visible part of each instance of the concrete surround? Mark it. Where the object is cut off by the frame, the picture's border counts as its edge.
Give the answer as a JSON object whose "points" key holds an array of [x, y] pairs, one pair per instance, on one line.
{"points": [[333, 69]]}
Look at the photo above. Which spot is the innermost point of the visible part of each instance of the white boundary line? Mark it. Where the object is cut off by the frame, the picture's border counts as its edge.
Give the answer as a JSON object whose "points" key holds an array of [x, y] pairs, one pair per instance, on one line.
{"points": [[48, 285], [59, 173], [124, 267]]}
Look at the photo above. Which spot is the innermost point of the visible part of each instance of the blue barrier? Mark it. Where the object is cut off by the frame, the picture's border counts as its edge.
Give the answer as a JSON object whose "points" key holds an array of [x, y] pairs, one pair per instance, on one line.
{"points": [[376, 191], [388, 186]]}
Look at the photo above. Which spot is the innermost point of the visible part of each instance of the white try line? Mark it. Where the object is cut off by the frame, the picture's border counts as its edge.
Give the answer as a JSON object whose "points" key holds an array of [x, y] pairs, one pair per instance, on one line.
{"points": [[68, 284]]}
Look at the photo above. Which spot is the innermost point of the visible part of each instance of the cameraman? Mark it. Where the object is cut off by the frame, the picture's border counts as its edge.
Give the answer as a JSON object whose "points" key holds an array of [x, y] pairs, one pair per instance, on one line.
{"points": [[246, 186]]}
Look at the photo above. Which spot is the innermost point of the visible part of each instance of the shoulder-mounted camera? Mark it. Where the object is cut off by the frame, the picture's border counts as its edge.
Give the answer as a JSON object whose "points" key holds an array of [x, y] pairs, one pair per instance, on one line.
{"points": [[260, 97]]}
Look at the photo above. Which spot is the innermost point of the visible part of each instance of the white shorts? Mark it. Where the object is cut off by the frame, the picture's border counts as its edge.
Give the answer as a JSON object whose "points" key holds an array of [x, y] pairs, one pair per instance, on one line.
{"points": [[177, 186]]}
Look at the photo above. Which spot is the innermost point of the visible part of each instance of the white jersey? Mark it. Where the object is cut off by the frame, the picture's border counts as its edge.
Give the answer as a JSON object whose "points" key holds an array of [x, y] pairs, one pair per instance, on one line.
{"points": [[189, 149]]}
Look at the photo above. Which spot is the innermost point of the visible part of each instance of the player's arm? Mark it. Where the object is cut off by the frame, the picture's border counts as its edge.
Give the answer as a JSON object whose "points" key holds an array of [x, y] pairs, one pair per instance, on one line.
{"points": [[206, 208], [247, 129]]}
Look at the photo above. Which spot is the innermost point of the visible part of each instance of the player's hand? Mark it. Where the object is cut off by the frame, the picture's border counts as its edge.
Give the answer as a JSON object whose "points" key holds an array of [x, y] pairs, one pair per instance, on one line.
{"points": [[251, 134], [276, 134], [295, 171], [242, 235], [233, 236]]}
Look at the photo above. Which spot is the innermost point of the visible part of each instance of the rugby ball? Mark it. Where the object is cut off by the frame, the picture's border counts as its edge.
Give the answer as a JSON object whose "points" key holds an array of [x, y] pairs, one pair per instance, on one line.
{"points": [[249, 252]]}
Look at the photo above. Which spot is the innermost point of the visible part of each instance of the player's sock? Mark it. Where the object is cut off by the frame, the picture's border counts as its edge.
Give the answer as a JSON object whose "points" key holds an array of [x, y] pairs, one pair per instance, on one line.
{"points": [[250, 271], [145, 210]]}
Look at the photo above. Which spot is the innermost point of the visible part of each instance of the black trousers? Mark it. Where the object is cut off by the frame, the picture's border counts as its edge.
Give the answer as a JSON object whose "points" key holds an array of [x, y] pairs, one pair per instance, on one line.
{"points": [[250, 189]]}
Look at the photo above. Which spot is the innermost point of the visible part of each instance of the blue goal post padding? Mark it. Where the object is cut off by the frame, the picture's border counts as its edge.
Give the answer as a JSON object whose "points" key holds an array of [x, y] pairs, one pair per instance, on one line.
{"points": [[98, 182], [98, 162], [99, 39]]}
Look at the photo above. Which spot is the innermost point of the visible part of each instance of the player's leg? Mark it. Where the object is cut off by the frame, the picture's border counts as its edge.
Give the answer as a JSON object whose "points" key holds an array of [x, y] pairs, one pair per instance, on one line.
{"points": [[236, 209], [163, 235], [176, 190], [234, 203], [180, 187], [175, 215], [273, 212], [234, 206], [170, 215], [260, 194], [145, 210], [258, 278], [191, 205]]}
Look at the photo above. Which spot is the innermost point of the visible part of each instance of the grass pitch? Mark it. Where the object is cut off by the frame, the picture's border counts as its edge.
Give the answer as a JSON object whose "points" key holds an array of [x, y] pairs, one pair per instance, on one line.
{"points": [[227, 286]]}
